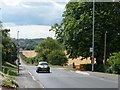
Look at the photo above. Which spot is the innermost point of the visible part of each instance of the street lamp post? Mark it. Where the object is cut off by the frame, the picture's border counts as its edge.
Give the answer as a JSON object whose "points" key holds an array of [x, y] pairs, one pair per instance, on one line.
{"points": [[93, 36], [18, 49], [104, 61]]}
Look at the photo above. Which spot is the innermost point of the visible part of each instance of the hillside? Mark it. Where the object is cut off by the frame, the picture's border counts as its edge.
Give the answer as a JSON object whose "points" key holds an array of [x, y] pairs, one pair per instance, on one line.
{"points": [[29, 44]]}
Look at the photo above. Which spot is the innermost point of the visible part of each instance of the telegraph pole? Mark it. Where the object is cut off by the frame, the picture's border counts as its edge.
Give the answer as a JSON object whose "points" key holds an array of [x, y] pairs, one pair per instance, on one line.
{"points": [[93, 35], [18, 50]]}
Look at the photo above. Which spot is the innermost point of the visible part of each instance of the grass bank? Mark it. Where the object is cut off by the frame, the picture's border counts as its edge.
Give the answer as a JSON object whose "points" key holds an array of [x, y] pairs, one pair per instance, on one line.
{"points": [[7, 74], [8, 81], [7, 69]]}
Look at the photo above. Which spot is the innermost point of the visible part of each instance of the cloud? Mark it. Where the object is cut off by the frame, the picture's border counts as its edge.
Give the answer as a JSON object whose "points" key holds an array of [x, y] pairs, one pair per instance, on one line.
{"points": [[26, 6], [31, 31], [11, 2], [9, 24], [31, 12]]}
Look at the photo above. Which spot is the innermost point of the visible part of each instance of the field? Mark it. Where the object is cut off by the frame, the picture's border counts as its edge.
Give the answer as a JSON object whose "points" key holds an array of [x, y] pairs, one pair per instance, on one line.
{"points": [[78, 61], [29, 53]]}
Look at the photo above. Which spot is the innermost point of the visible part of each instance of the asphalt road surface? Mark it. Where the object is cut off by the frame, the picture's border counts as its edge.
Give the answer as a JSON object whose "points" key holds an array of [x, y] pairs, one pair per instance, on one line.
{"points": [[60, 78]]}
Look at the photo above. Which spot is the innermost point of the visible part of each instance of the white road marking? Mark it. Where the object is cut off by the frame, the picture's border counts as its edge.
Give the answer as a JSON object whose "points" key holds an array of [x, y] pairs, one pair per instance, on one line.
{"points": [[30, 73], [42, 85], [35, 79], [32, 76], [84, 73]]}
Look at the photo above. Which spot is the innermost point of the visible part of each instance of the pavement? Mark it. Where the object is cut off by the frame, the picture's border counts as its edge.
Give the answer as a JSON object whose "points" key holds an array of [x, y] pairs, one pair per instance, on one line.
{"points": [[108, 76], [25, 80], [1, 80], [60, 78]]}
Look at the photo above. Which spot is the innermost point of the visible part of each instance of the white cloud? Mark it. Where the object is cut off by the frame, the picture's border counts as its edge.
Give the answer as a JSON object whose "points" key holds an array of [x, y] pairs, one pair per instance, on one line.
{"points": [[26, 6], [31, 12], [22, 2], [9, 24], [57, 5], [12, 2], [31, 31]]}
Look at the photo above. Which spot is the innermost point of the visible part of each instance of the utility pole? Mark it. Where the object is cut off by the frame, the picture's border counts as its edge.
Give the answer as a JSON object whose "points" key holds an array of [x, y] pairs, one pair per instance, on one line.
{"points": [[18, 50], [93, 36], [104, 61]]}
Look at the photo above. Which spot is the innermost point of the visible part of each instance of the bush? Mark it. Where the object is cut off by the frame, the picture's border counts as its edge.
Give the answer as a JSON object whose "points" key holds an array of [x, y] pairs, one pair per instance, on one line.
{"points": [[9, 83], [114, 63], [5, 70], [1, 69], [12, 72], [57, 58], [88, 67]]}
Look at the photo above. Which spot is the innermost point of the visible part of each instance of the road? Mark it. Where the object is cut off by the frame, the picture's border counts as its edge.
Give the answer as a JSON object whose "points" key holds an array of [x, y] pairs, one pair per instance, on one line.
{"points": [[60, 78]]}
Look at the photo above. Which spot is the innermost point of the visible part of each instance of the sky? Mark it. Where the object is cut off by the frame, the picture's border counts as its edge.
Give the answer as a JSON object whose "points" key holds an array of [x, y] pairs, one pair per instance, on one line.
{"points": [[32, 18]]}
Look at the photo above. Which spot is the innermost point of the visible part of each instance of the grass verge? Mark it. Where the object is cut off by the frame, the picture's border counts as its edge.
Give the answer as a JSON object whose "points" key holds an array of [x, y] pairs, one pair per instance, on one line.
{"points": [[9, 71], [9, 65], [8, 82]]}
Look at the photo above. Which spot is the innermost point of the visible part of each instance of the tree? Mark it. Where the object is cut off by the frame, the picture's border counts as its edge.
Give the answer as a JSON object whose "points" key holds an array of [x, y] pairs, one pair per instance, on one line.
{"points": [[9, 48], [75, 31], [50, 50], [114, 63], [57, 57]]}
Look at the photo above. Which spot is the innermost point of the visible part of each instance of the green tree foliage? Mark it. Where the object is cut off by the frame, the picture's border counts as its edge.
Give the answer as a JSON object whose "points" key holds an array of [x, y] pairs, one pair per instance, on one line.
{"points": [[75, 31], [9, 49], [47, 48], [57, 57], [114, 63], [29, 44]]}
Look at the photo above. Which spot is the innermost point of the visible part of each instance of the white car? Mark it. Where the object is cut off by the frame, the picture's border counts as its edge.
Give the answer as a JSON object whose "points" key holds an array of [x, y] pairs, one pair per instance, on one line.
{"points": [[43, 67]]}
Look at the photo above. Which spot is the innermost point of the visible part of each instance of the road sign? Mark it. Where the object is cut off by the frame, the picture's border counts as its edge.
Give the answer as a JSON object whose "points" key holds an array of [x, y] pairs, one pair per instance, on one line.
{"points": [[91, 49], [20, 52]]}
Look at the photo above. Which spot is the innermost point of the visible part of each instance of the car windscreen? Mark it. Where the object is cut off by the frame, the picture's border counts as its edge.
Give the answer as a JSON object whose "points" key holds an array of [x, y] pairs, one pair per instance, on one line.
{"points": [[43, 64]]}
